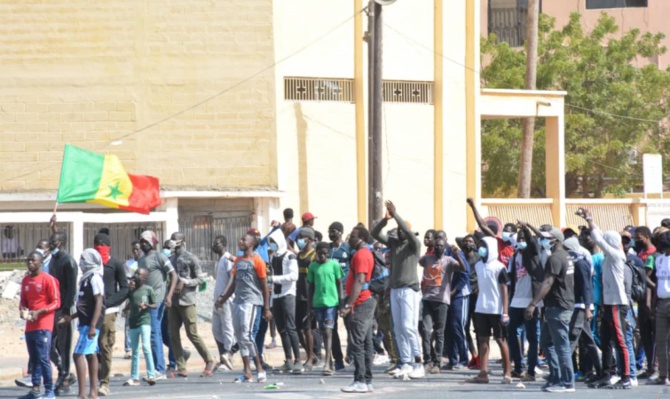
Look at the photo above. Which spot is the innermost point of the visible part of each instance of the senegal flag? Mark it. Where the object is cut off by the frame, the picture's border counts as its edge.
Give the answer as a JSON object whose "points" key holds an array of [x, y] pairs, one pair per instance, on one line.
{"points": [[90, 177]]}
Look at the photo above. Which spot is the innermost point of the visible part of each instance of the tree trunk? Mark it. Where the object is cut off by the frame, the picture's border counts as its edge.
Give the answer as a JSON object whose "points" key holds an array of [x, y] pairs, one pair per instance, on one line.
{"points": [[526, 161]]}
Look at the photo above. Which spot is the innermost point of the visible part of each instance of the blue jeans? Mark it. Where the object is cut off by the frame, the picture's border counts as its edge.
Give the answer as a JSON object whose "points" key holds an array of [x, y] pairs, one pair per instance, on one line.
{"points": [[39, 347], [555, 339], [143, 333], [457, 318], [259, 331], [126, 335], [157, 337], [516, 320], [629, 343], [165, 333]]}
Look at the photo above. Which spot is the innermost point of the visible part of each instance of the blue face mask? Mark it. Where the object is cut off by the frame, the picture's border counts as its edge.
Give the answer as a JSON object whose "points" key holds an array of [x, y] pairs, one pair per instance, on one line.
{"points": [[521, 245], [274, 247], [544, 243], [166, 252], [506, 236], [54, 251], [301, 243], [483, 252]]}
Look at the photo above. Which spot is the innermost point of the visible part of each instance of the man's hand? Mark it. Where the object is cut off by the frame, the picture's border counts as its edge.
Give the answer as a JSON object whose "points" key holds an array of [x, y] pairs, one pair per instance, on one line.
{"points": [[528, 313], [142, 306], [91, 332], [345, 311], [455, 249], [589, 314], [168, 302], [219, 303], [275, 223], [33, 315], [52, 221], [267, 314], [64, 320], [504, 319], [520, 224], [390, 210]]}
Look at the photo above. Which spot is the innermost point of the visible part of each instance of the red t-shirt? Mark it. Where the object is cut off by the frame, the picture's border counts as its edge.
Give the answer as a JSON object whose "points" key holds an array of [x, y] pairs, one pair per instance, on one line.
{"points": [[505, 251], [361, 262], [40, 292]]}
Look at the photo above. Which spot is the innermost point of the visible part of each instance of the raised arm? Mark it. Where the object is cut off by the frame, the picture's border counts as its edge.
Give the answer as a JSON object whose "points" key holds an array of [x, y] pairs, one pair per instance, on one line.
{"points": [[377, 234], [413, 240], [478, 218]]}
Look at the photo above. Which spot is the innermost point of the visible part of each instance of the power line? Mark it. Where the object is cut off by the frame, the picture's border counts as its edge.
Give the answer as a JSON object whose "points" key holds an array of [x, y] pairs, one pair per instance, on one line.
{"points": [[595, 111]]}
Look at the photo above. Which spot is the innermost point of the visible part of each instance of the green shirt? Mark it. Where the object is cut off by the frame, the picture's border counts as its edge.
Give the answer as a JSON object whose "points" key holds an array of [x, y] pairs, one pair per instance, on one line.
{"points": [[326, 279], [137, 317]]}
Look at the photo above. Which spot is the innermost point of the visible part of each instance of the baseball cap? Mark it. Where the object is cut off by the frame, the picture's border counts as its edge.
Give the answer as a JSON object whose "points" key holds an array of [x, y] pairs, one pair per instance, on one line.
{"points": [[306, 232], [307, 216], [557, 234]]}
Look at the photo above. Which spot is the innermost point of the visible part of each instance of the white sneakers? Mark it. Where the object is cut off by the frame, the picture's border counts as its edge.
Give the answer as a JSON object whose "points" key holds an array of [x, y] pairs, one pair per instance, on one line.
{"points": [[402, 371], [417, 372], [380, 360], [357, 387]]}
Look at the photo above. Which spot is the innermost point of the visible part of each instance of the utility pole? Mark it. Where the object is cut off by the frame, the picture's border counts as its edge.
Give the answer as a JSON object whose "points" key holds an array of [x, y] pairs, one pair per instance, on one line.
{"points": [[526, 158], [375, 195]]}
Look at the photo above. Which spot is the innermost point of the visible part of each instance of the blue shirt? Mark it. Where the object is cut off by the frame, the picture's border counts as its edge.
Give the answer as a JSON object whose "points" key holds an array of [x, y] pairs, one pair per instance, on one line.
{"points": [[341, 255], [598, 278], [460, 282]]}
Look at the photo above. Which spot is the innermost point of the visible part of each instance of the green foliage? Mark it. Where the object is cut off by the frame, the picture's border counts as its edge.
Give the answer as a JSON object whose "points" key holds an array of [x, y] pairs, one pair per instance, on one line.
{"points": [[598, 70]]}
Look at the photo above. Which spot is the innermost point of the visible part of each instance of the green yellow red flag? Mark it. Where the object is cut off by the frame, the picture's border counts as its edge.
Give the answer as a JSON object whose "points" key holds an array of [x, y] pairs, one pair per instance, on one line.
{"points": [[90, 177]]}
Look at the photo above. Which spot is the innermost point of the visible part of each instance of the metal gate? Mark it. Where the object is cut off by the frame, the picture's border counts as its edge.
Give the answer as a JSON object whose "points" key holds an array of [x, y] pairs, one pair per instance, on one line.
{"points": [[200, 231], [17, 240], [122, 235]]}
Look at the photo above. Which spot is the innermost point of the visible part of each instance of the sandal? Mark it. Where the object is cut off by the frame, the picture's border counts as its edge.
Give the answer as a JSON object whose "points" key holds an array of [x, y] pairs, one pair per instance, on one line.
{"points": [[131, 383], [208, 371], [478, 380], [242, 380], [151, 381], [261, 376], [182, 373]]}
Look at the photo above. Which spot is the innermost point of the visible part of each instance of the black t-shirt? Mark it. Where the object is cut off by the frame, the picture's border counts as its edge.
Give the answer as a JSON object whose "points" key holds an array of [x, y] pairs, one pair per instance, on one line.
{"points": [[304, 260], [562, 293]]}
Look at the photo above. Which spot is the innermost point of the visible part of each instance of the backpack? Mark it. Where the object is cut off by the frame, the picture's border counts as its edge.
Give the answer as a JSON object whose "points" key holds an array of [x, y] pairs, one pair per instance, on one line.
{"points": [[639, 283], [380, 276]]}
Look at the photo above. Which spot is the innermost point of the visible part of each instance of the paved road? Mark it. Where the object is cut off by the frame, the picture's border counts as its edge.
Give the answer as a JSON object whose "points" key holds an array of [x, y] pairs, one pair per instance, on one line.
{"points": [[309, 386]]}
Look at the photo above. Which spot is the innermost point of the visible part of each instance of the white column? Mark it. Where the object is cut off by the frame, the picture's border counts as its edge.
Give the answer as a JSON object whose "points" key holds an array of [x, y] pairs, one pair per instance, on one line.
{"points": [[172, 212], [77, 234]]}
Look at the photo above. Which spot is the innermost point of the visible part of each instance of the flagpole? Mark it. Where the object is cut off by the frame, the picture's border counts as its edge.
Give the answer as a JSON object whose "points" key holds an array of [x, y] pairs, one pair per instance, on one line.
{"points": [[52, 222]]}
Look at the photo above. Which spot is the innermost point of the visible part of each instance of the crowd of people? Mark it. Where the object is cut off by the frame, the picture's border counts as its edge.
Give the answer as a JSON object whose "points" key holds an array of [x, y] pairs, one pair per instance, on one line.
{"points": [[588, 305]]}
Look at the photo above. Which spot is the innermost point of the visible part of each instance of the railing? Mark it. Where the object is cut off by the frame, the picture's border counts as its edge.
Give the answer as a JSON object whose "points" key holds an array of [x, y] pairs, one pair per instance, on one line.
{"points": [[533, 211]]}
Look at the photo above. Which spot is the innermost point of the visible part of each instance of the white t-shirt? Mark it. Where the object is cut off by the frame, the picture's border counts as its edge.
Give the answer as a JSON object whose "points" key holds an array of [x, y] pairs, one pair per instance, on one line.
{"points": [[663, 276], [223, 269], [490, 276], [523, 290]]}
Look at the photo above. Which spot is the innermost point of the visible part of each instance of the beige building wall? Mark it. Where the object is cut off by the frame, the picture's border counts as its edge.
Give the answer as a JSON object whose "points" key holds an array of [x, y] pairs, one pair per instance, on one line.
{"points": [[88, 73], [316, 140]]}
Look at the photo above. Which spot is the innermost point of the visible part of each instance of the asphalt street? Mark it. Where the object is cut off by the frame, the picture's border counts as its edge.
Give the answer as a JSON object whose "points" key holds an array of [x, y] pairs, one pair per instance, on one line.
{"points": [[313, 385]]}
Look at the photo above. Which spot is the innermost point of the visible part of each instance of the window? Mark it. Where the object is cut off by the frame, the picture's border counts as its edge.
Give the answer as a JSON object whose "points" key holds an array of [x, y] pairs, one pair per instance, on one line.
{"points": [[599, 4], [326, 89], [507, 20]]}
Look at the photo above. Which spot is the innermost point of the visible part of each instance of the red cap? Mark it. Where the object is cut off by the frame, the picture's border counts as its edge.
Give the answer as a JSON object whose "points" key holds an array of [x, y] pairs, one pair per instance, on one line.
{"points": [[307, 216], [253, 231]]}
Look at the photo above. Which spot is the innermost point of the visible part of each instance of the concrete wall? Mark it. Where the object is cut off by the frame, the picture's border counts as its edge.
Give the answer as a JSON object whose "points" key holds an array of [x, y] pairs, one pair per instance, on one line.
{"points": [[87, 73], [316, 140]]}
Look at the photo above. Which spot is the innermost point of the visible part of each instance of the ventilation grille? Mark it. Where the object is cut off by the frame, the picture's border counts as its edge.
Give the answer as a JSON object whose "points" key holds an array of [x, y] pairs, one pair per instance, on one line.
{"points": [[318, 89], [326, 89]]}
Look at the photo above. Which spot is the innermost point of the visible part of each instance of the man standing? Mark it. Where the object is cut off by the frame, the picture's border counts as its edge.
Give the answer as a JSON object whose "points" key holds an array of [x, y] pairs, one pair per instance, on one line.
{"points": [[307, 221], [662, 307], [558, 294], [359, 310], [116, 292], [182, 311], [646, 251], [222, 318], [339, 252], [249, 284], [159, 268], [40, 297], [284, 280], [438, 270], [306, 256], [526, 275], [505, 248], [131, 268], [405, 291], [64, 269], [615, 306]]}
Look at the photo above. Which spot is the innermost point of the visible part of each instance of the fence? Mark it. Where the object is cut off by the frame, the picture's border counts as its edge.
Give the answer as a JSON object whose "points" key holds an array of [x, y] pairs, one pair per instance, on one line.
{"points": [[200, 231], [122, 235], [19, 239]]}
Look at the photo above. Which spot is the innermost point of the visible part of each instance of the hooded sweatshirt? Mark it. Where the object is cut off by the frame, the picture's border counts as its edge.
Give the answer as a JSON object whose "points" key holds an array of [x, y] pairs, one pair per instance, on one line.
{"points": [[491, 273], [531, 266], [90, 286], [614, 292], [284, 268]]}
